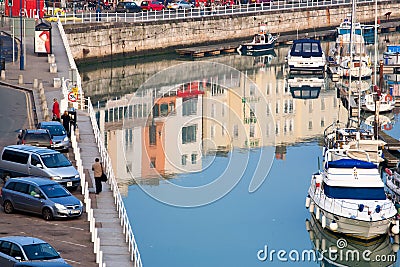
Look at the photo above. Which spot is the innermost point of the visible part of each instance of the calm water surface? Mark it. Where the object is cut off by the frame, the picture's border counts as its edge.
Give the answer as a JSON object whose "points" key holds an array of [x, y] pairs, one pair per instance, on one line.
{"points": [[218, 223]]}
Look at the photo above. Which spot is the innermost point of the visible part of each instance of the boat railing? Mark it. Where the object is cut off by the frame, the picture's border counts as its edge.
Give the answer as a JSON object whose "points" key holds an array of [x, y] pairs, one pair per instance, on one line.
{"points": [[345, 206]]}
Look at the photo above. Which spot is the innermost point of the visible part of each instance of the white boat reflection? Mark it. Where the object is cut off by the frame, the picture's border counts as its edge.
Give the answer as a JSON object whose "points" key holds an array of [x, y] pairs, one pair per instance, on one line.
{"points": [[385, 122], [336, 250], [305, 86]]}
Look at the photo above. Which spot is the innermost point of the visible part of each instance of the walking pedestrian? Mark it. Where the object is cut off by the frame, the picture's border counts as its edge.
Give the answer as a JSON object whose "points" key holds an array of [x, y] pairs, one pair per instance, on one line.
{"points": [[65, 121], [97, 171], [56, 110]]}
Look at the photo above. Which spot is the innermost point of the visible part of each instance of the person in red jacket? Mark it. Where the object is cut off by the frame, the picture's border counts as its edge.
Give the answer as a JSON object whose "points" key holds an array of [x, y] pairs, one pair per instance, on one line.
{"points": [[56, 110]]}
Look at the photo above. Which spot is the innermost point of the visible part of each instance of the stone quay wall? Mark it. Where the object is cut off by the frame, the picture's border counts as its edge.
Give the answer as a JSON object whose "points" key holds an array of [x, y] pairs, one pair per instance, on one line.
{"points": [[97, 41]]}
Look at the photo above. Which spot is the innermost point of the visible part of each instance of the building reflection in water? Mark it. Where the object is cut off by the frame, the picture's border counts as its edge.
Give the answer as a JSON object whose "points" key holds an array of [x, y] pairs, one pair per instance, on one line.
{"points": [[338, 250], [165, 129]]}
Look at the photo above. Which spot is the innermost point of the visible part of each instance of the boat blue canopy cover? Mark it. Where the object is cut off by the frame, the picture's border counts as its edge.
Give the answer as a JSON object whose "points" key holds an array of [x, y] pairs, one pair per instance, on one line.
{"points": [[306, 48], [393, 48], [351, 163], [360, 193]]}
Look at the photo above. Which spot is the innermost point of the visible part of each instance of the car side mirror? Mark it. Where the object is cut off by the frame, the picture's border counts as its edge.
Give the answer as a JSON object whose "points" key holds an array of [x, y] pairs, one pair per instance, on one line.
{"points": [[39, 165], [18, 258], [36, 196]]}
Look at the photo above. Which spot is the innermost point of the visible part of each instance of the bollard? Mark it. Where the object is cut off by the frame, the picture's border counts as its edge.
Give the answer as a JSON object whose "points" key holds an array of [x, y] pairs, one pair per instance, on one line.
{"points": [[20, 79], [35, 83], [51, 58], [57, 83], [53, 68], [3, 75]]}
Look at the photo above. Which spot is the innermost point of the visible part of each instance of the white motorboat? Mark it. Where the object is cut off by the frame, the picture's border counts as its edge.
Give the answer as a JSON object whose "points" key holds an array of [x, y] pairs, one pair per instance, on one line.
{"points": [[306, 55], [348, 197]]}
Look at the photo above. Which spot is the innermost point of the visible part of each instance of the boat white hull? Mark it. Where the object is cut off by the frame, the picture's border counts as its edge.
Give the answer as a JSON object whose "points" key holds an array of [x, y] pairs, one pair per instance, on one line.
{"points": [[353, 227]]}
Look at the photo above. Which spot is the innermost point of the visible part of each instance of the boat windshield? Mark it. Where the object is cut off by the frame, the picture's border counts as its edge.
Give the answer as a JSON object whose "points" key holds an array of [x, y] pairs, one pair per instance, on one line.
{"points": [[361, 193]]}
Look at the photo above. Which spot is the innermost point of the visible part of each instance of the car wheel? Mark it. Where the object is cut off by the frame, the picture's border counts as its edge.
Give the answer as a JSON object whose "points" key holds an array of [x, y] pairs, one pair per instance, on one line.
{"points": [[8, 207], [47, 214]]}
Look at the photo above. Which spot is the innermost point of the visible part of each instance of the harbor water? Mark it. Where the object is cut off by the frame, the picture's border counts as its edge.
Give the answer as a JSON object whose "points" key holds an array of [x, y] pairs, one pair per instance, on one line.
{"points": [[214, 158]]}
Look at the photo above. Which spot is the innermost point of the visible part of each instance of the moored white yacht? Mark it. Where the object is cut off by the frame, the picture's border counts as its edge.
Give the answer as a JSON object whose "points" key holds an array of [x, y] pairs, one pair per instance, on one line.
{"points": [[306, 55], [386, 102], [348, 197]]}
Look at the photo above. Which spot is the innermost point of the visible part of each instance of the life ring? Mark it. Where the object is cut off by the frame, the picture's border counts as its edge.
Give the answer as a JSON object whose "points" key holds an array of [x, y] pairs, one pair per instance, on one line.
{"points": [[388, 127], [388, 98]]}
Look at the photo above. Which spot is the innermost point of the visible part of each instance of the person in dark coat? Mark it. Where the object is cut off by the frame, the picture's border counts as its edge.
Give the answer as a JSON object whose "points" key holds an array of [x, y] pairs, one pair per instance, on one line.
{"points": [[65, 121]]}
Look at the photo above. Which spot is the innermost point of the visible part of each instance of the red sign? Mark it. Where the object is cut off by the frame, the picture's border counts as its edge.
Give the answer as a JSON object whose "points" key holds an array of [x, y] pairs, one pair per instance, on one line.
{"points": [[72, 97]]}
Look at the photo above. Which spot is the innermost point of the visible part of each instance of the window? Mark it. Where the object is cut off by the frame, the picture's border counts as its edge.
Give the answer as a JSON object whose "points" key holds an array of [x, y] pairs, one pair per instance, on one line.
{"points": [[194, 158], [21, 187], [189, 134], [15, 156], [35, 160], [235, 131], [16, 251], [189, 106], [5, 247], [251, 130], [164, 109], [184, 159], [152, 163]]}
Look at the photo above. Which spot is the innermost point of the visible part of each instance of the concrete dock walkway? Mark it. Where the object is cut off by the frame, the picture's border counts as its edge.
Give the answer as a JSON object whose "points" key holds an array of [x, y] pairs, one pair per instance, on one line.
{"points": [[112, 240]]}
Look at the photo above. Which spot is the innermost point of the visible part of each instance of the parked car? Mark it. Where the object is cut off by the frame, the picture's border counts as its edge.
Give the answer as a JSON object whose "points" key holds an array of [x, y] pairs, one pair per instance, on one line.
{"points": [[181, 4], [20, 160], [39, 196], [14, 249], [151, 5], [35, 137], [128, 7], [58, 134]]}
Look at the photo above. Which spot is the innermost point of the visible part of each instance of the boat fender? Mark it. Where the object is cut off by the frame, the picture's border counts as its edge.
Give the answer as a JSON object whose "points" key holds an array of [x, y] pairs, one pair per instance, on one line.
{"points": [[311, 207], [378, 209], [308, 201], [361, 207], [308, 225], [388, 126], [395, 248], [323, 244], [323, 221], [311, 235], [334, 226], [388, 171], [317, 244], [388, 98], [317, 213], [395, 229]]}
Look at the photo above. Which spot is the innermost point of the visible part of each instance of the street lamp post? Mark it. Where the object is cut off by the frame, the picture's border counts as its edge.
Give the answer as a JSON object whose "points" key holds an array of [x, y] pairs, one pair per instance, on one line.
{"points": [[21, 58]]}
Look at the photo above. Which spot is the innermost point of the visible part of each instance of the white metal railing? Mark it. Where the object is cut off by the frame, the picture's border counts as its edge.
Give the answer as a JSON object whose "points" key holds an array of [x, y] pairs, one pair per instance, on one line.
{"points": [[126, 226], [197, 12], [127, 229]]}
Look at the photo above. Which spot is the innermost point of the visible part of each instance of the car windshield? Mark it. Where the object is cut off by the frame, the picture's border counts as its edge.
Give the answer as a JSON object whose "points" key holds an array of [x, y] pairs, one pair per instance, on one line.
{"points": [[34, 137], [56, 130], [41, 251], [54, 191], [55, 160]]}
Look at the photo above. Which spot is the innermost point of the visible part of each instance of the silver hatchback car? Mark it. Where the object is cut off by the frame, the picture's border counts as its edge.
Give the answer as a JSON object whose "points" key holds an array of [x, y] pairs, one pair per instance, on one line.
{"points": [[15, 249], [59, 135], [39, 196]]}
